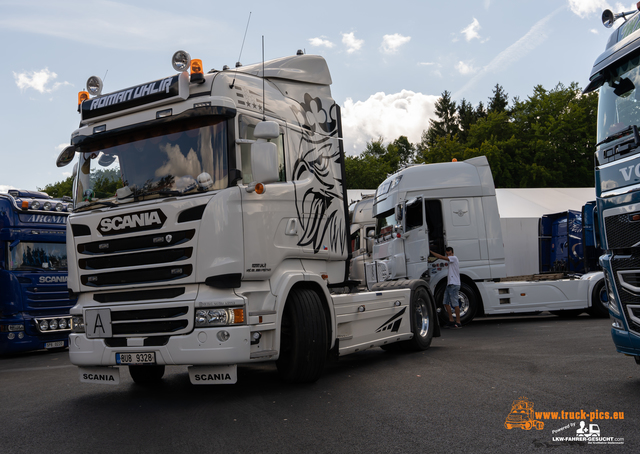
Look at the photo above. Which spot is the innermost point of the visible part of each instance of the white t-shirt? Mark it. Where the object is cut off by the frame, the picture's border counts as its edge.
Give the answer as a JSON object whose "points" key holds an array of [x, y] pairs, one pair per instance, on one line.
{"points": [[453, 278]]}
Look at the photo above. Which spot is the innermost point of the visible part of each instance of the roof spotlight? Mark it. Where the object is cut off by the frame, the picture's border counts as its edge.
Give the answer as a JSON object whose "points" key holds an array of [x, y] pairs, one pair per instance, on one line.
{"points": [[181, 61], [94, 85]]}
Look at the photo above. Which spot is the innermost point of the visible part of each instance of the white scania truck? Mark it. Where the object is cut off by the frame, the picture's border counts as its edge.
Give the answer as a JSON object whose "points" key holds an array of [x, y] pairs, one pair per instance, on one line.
{"points": [[225, 230], [430, 206]]}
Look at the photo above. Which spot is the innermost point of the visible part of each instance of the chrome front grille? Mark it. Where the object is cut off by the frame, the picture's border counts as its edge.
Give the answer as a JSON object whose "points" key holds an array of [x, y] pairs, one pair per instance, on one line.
{"points": [[626, 275], [157, 321], [622, 231], [154, 258]]}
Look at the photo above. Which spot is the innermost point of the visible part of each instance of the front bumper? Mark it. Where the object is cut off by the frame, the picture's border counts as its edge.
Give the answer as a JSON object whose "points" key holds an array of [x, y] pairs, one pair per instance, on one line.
{"points": [[200, 347]]}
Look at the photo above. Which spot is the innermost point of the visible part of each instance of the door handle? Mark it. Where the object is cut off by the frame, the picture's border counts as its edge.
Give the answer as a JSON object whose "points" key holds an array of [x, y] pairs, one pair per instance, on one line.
{"points": [[292, 227]]}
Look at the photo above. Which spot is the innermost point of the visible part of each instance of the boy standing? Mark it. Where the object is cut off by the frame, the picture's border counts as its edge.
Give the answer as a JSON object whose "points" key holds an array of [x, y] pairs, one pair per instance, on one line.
{"points": [[453, 286]]}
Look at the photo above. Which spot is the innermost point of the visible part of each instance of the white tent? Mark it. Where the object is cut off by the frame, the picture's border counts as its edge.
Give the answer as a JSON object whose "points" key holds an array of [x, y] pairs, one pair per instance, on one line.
{"points": [[520, 210]]}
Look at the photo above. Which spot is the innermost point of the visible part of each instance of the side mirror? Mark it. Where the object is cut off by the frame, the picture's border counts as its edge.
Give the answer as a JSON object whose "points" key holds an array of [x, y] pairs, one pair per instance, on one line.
{"points": [[264, 162], [369, 245], [399, 212], [66, 156], [266, 130]]}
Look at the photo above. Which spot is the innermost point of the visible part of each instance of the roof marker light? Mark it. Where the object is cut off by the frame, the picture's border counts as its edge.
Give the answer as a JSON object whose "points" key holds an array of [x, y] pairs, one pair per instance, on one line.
{"points": [[83, 96], [181, 61], [197, 73]]}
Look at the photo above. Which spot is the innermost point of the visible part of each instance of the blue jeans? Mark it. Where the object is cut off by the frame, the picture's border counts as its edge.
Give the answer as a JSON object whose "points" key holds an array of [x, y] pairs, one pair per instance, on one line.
{"points": [[451, 295]]}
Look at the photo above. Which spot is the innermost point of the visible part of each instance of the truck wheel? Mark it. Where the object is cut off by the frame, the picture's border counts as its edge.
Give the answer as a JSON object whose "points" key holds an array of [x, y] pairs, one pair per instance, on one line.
{"points": [[422, 321], [599, 300], [468, 304], [144, 375], [303, 338]]}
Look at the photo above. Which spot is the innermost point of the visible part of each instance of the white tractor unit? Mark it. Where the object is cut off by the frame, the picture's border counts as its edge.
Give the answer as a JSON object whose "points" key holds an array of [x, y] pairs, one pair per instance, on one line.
{"points": [[210, 225]]}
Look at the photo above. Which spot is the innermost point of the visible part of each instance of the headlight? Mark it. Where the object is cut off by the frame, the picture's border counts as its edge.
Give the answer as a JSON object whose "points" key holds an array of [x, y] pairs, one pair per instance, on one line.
{"points": [[53, 324], [62, 324], [47, 206], [35, 205], [219, 317], [77, 324], [44, 325], [181, 61], [94, 86], [613, 305], [59, 207]]}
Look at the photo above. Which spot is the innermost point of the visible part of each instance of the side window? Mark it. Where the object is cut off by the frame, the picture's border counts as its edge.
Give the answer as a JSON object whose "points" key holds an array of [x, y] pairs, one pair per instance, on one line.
{"points": [[414, 214], [247, 126], [355, 241], [435, 225]]}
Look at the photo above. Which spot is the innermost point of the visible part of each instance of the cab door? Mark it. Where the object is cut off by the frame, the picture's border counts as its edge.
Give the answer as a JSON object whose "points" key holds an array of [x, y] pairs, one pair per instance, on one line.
{"points": [[416, 238]]}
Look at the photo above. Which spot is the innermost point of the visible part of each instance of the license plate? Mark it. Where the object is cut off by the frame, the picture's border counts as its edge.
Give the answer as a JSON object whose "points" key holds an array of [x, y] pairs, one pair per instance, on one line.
{"points": [[136, 358], [57, 344]]}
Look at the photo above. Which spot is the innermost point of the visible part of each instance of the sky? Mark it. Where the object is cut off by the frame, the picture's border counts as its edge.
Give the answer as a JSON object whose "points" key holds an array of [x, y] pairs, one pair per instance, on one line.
{"points": [[389, 61]]}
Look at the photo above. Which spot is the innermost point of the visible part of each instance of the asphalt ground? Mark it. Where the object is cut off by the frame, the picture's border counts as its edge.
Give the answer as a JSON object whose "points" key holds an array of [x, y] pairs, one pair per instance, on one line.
{"points": [[454, 397]]}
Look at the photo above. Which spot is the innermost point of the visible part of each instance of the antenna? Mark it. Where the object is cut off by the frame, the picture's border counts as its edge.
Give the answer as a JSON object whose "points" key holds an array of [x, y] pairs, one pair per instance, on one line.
{"points": [[264, 106], [238, 64]]}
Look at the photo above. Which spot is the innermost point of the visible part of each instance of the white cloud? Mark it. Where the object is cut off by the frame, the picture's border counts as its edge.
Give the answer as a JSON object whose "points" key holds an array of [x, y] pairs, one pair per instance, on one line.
{"points": [[487, 4], [594, 31], [41, 81], [518, 50], [583, 8], [353, 44], [471, 31], [321, 42], [391, 43], [465, 69], [401, 114]]}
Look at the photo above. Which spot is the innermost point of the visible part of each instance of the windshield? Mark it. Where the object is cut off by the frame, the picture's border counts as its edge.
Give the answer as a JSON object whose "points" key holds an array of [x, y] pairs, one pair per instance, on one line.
{"points": [[619, 99], [28, 256], [385, 223], [174, 159]]}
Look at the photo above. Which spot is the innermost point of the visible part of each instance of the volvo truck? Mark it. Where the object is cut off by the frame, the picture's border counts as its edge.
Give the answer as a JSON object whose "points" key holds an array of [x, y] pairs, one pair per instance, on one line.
{"points": [[616, 77], [225, 230]]}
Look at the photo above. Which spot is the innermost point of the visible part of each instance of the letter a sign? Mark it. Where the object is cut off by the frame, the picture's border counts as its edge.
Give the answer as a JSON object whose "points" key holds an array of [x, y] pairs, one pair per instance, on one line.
{"points": [[97, 323]]}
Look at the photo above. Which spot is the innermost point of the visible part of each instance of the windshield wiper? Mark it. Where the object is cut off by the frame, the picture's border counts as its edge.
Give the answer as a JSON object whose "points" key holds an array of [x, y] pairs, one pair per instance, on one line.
{"points": [[635, 137]]}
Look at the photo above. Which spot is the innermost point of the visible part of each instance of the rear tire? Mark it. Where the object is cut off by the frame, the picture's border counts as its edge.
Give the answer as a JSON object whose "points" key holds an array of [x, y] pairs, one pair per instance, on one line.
{"points": [[468, 304], [599, 300], [145, 375], [303, 338], [422, 320]]}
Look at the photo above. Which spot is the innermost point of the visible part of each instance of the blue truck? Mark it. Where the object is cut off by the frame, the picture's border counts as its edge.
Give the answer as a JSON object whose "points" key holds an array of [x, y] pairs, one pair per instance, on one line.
{"points": [[616, 76], [34, 300]]}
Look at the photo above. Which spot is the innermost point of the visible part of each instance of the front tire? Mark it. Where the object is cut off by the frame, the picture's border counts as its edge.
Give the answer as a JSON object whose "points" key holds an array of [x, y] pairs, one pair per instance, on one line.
{"points": [[145, 375], [303, 338], [599, 301], [422, 320]]}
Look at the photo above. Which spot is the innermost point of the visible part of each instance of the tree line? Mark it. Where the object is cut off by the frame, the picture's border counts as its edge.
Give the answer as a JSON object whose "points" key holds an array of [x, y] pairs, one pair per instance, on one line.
{"points": [[547, 140]]}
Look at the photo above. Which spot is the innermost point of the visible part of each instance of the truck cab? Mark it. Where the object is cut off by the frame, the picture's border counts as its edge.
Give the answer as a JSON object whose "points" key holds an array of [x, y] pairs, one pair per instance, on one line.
{"points": [[616, 76], [34, 302]]}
